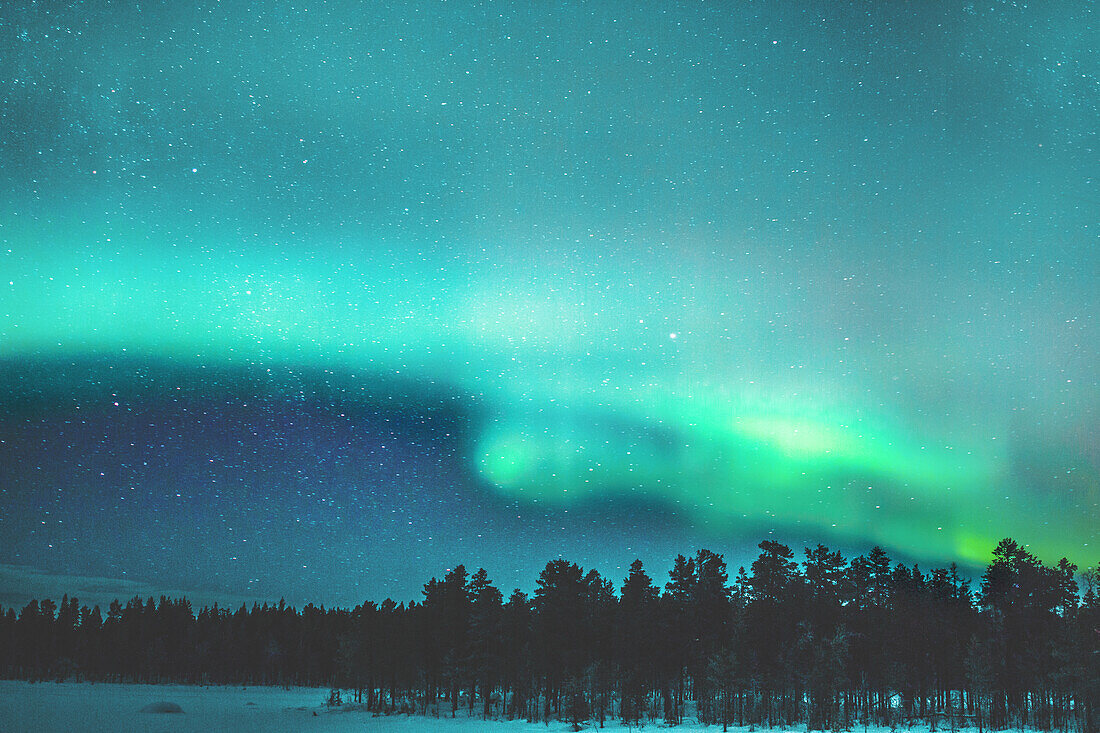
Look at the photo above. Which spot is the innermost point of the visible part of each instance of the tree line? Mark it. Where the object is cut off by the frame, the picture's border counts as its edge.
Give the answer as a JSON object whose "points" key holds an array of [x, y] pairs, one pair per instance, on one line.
{"points": [[825, 642]]}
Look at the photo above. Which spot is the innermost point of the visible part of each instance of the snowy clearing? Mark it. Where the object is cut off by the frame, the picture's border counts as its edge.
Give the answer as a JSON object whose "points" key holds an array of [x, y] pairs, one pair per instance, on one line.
{"points": [[74, 706]]}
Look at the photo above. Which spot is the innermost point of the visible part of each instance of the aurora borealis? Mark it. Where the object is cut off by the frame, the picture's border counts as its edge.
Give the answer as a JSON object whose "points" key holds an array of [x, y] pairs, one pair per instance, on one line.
{"points": [[316, 300]]}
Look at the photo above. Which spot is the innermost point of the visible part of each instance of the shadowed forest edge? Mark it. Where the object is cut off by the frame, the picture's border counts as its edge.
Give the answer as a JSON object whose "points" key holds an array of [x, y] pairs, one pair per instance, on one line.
{"points": [[827, 643]]}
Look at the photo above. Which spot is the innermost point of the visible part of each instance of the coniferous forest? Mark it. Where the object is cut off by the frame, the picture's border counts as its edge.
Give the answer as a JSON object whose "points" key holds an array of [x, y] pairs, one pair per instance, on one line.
{"points": [[819, 641]]}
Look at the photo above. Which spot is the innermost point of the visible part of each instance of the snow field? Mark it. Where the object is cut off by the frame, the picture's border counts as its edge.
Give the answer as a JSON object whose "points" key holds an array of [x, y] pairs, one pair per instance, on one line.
{"points": [[71, 707]]}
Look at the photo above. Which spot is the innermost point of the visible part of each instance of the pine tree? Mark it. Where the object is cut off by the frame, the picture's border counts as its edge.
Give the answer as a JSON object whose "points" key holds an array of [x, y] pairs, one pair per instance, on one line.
{"points": [[772, 620], [635, 635], [517, 671], [486, 645], [559, 643]]}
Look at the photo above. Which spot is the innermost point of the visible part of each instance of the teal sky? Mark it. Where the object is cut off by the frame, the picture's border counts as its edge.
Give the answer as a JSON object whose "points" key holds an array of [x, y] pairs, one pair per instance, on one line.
{"points": [[347, 294]]}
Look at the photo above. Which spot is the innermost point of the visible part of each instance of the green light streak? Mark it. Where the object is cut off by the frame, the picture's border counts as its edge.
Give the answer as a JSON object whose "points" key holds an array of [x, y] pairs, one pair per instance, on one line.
{"points": [[577, 417]]}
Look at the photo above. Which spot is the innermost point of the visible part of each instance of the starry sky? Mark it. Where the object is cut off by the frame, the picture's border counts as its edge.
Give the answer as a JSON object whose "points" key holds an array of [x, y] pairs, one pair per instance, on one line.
{"points": [[317, 300]]}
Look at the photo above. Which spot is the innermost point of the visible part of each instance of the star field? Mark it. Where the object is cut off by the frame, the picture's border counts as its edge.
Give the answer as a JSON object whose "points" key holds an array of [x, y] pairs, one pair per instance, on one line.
{"points": [[315, 300]]}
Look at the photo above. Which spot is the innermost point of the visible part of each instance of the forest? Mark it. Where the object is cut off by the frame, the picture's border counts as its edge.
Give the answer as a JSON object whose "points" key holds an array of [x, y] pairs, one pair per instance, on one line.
{"points": [[823, 642]]}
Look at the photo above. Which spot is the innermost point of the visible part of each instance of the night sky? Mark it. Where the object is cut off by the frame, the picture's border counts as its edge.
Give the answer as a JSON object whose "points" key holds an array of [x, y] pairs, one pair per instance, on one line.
{"points": [[317, 300]]}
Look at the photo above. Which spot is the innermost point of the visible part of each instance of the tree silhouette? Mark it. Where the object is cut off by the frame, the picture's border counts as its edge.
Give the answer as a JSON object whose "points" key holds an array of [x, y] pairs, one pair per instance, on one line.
{"points": [[826, 644]]}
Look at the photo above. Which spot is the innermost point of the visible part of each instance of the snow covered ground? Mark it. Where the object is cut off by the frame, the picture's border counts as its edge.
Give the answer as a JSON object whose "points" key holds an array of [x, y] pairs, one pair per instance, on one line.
{"points": [[46, 707]]}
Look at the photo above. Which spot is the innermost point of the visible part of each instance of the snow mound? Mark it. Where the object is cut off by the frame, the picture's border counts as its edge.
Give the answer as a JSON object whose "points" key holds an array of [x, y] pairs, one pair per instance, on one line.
{"points": [[162, 707]]}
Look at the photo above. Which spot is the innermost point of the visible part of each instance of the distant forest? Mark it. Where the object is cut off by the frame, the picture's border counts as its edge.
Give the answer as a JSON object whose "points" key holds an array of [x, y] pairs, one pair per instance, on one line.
{"points": [[826, 643]]}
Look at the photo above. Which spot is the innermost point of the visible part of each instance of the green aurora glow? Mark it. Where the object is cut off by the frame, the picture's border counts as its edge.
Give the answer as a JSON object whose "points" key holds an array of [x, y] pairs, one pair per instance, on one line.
{"points": [[574, 416], [829, 274]]}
